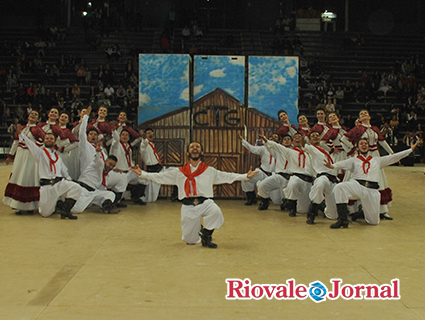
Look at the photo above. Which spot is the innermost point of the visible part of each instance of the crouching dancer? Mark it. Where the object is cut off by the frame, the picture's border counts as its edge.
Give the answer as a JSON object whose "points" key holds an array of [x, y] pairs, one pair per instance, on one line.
{"points": [[363, 184], [195, 182], [54, 179]]}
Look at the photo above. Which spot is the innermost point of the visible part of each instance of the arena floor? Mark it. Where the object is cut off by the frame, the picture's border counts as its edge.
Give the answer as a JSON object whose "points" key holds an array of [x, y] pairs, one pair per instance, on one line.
{"points": [[134, 266]]}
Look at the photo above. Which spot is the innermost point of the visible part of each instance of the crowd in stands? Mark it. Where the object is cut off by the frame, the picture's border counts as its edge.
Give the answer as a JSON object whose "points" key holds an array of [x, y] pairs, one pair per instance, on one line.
{"points": [[394, 98]]}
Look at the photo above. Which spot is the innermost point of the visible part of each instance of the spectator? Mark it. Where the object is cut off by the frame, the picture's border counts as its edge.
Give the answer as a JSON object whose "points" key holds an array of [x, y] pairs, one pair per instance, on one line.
{"points": [[130, 92], [87, 74], [110, 93], [81, 75], [5, 116], [19, 113], [76, 91]]}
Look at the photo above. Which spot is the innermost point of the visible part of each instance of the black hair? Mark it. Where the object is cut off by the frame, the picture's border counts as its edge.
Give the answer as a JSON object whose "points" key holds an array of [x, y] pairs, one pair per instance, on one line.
{"points": [[112, 157]]}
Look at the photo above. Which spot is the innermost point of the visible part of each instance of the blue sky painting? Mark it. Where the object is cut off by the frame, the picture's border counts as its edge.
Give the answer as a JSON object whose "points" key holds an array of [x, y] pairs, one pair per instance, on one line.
{"points": [[273, 85], [224, 72], [163, 84]]}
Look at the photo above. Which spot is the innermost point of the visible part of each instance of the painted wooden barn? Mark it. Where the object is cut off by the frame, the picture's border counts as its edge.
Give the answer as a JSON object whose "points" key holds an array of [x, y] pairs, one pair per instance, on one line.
{"points": [[215, 120]]}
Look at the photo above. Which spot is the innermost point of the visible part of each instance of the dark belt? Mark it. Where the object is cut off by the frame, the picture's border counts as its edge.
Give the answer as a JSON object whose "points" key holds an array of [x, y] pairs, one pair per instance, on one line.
{"points": [[267, 173], [50, 182], [304, 177], [285, 175], [193, 201], [85, 186], [369, 184], [154, 168], [331, 178]]}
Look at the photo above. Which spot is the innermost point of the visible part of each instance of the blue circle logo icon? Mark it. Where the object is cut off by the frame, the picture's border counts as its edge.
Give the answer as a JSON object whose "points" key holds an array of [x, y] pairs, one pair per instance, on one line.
{"points": [[317, 291]]}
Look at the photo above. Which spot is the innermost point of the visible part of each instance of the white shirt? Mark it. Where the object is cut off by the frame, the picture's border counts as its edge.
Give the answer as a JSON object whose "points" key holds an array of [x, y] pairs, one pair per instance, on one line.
{"points": [[297, 163], [45, 168], [281, 161], [92, 175], [148, 155], [87, 151], [317, 160], [204, 182], [118, 150], [355, 165], [268, 163]]}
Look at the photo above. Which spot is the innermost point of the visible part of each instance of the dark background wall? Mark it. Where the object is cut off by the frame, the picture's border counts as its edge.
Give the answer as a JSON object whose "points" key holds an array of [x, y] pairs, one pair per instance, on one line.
{"points": [[380, 16]]}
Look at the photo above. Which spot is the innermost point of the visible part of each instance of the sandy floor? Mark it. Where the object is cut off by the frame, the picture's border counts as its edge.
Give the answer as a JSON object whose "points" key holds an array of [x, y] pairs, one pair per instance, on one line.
{"points": [[134, 266]]}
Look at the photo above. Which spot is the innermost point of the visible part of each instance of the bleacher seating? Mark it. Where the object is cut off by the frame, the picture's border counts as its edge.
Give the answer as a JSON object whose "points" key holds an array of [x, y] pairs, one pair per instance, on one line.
{"points": [[341, 61]]}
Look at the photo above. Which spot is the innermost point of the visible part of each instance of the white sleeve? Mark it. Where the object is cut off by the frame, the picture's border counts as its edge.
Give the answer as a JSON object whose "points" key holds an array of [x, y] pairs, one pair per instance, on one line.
{"points": [[393, 158]]}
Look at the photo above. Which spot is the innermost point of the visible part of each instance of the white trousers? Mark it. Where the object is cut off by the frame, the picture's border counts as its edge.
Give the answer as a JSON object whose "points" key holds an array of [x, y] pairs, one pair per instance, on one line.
{"points": [[271, 187], [249, 185], [152, 188], [370, 198], [117, 181], [298, 189], [87, 198], [322, 190], [49, 195], [191, 217]]}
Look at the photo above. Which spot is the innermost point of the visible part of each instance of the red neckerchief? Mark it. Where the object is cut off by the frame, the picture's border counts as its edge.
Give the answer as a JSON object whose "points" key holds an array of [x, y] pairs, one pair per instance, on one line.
{"points": [[104, 175], [325, 153], [286, 164], [271, 159], [191, 177], [366, 163], [155, 153], [301, 154], [127, 153], [52, 162], [101, 152]]}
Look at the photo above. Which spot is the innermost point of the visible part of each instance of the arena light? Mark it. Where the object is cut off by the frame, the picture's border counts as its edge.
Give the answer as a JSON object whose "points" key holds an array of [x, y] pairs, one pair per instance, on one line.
{"points": [[328, 16], [84, 13]]}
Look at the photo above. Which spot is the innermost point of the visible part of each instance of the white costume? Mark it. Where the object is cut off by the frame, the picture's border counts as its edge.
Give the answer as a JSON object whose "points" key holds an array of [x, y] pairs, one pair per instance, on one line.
{"points": [[50, 166], [322, 185], [373, 137], [124, 155], [368, 172], [23, 189], [279, 179], [267, 167], [93, 181], [299, 185], [191, 215], [151, 159], [115, 181]]}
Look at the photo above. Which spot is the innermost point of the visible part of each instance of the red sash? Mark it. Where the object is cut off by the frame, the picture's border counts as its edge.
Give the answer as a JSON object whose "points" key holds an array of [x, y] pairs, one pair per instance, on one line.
{"points": [[104, 175], [191, 177], [52, 162], [301, 157], [155, 153], [366, 163], [325, 153], [127, 153]]}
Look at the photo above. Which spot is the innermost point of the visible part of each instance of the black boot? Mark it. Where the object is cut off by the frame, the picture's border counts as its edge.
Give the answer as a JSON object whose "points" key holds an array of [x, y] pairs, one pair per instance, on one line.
{"points": [[117, 202], [385, 216], [65, 209], [59, 207], [342, 216], [312, 214], [137, 192], [108, 208], [283, 204], [206, 238], [357, 215], [292, 206], [264, 204], [251, 198]]}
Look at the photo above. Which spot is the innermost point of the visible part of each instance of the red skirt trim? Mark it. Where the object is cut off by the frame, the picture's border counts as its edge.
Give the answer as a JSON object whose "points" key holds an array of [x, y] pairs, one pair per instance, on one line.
{"points": [[22, 194]]}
